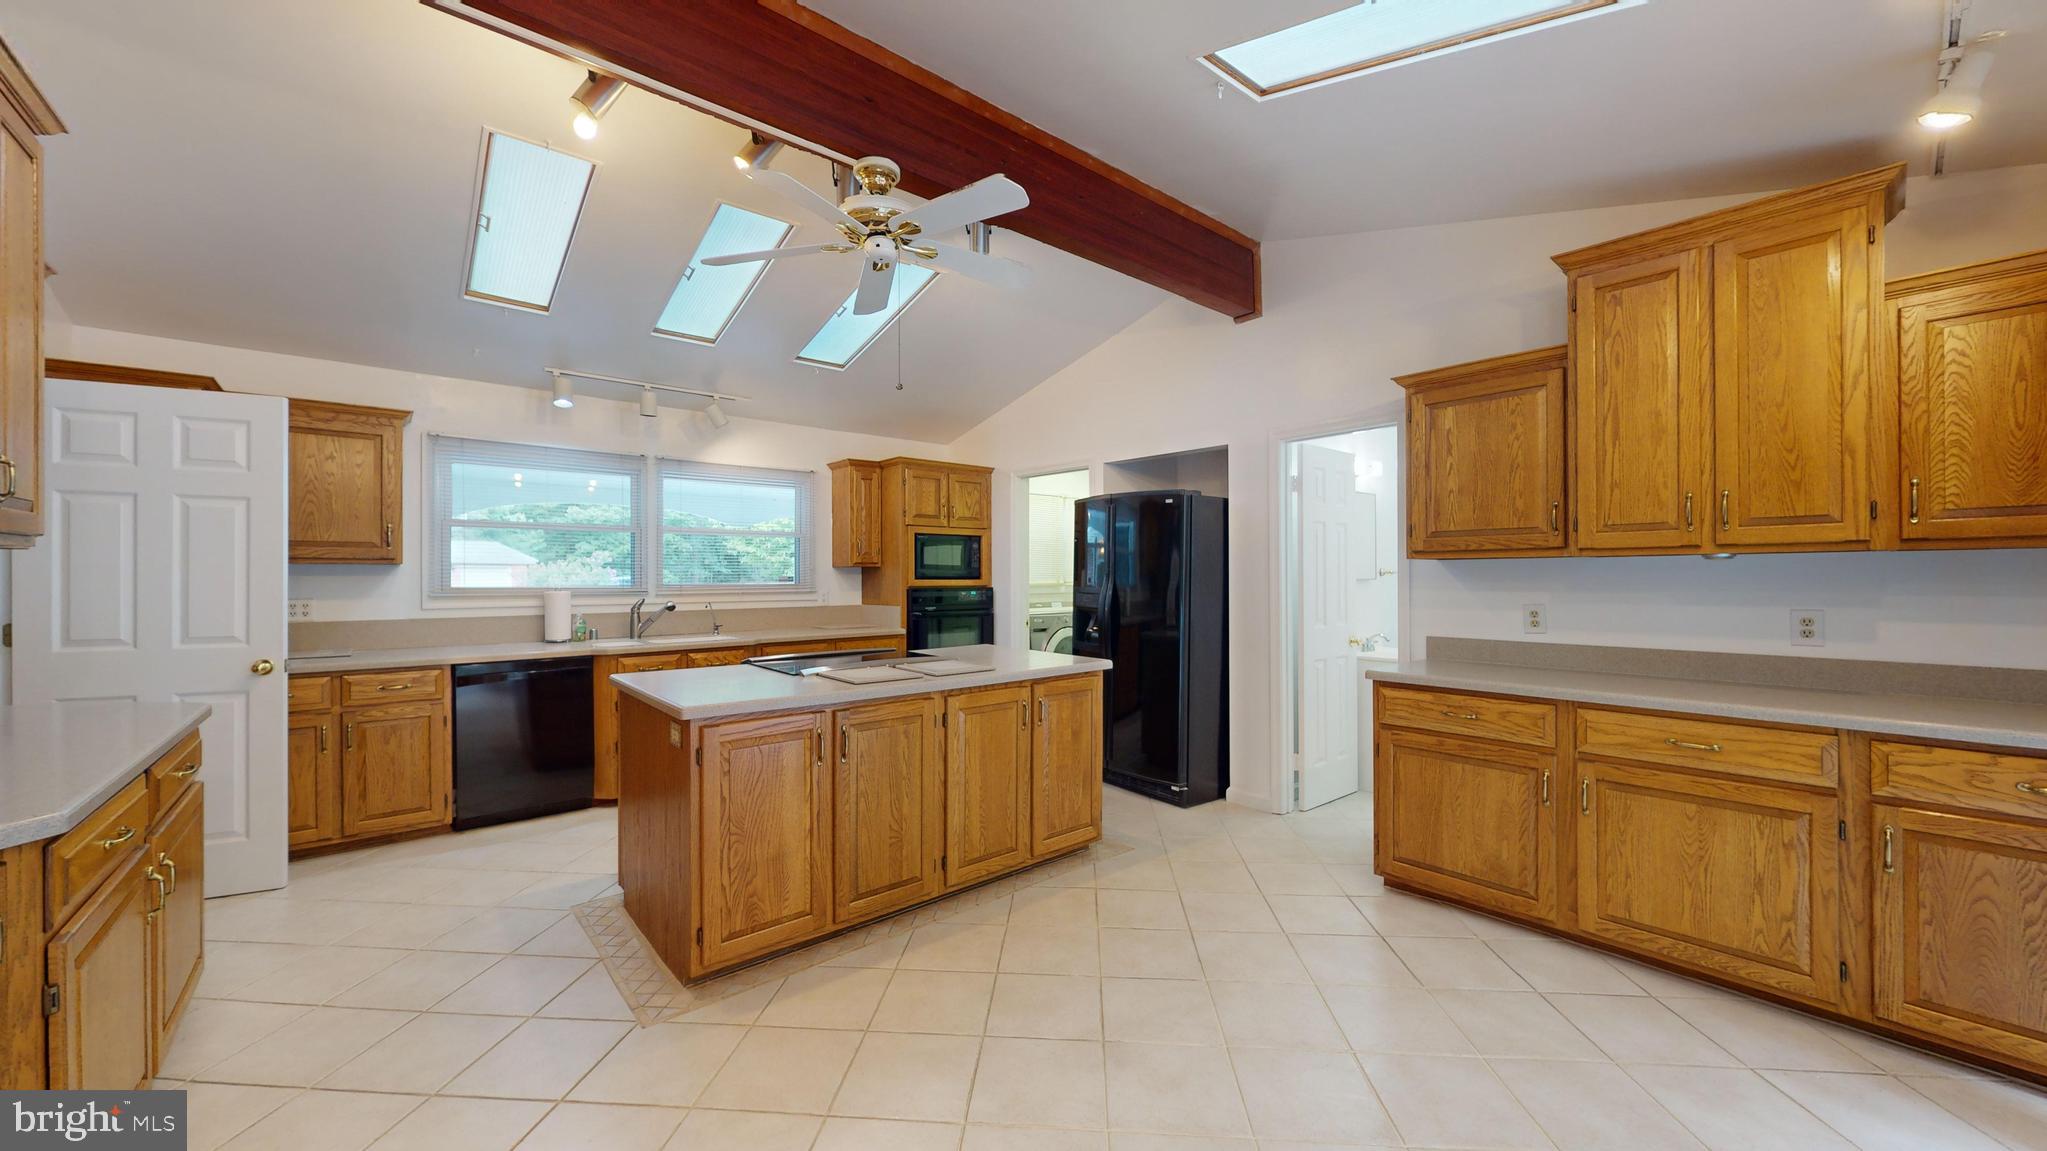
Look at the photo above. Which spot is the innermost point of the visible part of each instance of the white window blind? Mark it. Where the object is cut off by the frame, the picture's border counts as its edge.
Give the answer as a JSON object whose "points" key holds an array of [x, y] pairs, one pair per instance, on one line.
{"points": [[526, 516], [731, 529]]}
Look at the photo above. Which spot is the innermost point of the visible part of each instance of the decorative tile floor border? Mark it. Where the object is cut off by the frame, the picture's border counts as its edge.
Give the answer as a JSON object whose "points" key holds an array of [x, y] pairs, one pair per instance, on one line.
{"points": [[655, 995]]}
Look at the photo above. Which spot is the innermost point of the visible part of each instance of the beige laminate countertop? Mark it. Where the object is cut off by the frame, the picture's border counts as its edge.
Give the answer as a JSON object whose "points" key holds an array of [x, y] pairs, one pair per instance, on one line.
{"points": [[59, 761], [720, 692], [501, 652], [2021, 725]]}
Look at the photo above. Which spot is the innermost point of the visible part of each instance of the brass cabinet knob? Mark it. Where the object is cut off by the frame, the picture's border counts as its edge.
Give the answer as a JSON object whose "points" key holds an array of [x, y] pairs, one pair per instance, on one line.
{"points": [[262, 667]]}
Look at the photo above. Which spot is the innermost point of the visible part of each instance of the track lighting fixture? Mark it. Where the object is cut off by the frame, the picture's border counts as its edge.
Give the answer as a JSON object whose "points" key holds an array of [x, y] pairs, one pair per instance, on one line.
{"points": [[758, 152], [1960, 98], [717, 415], [650, 400], [593, 98], [564, 397], [650, 404]]}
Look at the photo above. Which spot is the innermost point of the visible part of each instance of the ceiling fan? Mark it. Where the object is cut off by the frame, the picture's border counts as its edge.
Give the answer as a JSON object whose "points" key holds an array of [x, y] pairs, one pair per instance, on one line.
{"points": [[887, 230]]}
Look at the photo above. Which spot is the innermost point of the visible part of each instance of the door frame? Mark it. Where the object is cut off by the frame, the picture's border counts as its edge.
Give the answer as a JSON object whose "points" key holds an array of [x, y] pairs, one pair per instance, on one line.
{"points": [[1283, 606], [1013, 588]]}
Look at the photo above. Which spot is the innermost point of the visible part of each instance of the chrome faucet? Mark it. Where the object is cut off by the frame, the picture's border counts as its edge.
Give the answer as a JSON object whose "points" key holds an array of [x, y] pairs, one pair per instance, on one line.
{"points": [[640, 623], [716, 627], [1372, 641]]}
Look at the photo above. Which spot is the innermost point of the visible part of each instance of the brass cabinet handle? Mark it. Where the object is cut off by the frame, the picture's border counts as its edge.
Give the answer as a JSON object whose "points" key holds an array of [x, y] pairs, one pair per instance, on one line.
{"points": [[2038, 790], [170, 865], [393, 686], [1890, 862], [323, 738], [387, 535], [1688, 511], [162, 893], [347, 736], [1725, 494], [1553, 516], [1913, 514], [1690, 746], [1460, 714], [262, 667], [1585, 796], [1545, 787], [186, 772], [120, 837], [9, 465], [842, 743]]}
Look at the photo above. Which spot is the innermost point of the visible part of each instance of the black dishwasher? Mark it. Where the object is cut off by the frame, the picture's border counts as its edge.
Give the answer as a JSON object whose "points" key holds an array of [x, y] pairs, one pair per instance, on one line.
{"points": [[523, 740]]}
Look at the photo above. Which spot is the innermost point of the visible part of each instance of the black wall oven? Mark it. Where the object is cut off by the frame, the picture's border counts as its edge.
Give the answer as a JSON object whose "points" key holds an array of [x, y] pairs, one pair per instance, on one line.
{"points": [[945, 555], [950, 616]]}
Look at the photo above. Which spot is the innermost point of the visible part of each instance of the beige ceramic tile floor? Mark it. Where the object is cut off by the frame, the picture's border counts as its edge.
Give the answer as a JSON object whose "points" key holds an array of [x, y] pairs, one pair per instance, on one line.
{"points": [[1236, 982]]}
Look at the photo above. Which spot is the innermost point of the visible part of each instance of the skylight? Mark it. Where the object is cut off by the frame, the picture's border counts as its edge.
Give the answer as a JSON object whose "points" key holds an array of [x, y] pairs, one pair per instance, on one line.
{"points": [[706, 299], [846, 335], [526, 217], [1382, 33]]}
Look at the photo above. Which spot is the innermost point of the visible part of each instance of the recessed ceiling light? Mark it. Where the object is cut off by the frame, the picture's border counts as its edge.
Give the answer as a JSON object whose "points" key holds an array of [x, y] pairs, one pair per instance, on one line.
{"points": [[594, 97]]}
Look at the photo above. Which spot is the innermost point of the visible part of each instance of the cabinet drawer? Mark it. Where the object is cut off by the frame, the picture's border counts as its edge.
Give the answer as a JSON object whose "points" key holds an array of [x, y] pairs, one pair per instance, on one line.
{"points": [[793, 647], [1711, 745], [1957, 777], [88, 852], [663, 661], [375, 687], [172, 774], [310, 692], [718, 657], [1510, 720]]}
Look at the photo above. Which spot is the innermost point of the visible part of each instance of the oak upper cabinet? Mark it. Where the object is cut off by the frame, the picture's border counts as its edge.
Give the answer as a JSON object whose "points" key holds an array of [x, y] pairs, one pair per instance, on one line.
{"points": [[347, 483], [1640, 384], [177, 869], [1968, 348], [924, 494], [1485, 466], [1066, 763], [966, 498], [24, 115], [888, 799], [856, 513], [987, 782], [102, 1033], [1471, 815], [765, 862]]}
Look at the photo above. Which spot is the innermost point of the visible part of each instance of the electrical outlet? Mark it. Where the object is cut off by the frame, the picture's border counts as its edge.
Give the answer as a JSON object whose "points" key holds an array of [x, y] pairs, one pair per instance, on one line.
{"points": [[1808, 627], [299, 609], [1535, 619]]}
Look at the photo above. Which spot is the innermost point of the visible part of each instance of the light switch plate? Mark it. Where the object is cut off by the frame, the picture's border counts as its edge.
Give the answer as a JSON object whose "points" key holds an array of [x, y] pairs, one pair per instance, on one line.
{"points": [[1535, 619], [1808, 627]]}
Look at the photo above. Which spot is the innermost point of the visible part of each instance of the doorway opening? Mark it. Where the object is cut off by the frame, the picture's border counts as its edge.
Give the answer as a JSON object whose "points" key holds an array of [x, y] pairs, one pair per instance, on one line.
{"points": [[1049, 554], [1340, 580]]}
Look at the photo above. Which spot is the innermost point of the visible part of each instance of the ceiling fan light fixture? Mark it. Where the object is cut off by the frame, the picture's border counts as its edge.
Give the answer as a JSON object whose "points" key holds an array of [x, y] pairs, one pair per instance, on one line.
{"points": [[1960, 98], [758, 152], [594, 97], [564, 395]]}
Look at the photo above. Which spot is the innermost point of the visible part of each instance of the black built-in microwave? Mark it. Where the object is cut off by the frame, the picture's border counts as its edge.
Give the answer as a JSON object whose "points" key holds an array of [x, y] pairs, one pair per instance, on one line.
{"points": [[945, 556]]}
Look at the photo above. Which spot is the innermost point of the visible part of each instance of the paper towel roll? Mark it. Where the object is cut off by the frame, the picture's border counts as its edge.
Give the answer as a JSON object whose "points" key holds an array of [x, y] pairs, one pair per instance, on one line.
{"points": [[554, 616]]}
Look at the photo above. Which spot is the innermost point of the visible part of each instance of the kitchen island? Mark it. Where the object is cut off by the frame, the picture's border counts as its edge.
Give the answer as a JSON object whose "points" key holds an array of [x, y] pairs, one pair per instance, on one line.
{"points": [[760, 812]]}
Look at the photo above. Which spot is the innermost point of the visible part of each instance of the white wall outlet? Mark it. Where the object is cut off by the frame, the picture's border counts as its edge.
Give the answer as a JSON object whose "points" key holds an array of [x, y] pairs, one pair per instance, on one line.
{"points": [[1535, 618], [1808, 627], [299, 609]]}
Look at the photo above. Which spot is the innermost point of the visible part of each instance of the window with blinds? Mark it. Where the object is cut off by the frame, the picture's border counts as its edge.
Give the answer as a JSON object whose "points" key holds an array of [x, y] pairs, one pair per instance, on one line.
{"points": [[729, 529], [525, 516]]}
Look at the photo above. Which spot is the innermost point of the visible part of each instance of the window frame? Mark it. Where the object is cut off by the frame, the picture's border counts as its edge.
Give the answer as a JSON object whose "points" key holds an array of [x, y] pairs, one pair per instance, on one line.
{"points": [[788, 230], [476, 215], [804, 484], [441, 457], [847, 307]]}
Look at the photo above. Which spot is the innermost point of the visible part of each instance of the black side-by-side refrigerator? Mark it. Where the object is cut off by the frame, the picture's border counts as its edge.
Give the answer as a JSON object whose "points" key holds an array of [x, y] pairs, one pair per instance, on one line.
{"points": [[1150, 592]]}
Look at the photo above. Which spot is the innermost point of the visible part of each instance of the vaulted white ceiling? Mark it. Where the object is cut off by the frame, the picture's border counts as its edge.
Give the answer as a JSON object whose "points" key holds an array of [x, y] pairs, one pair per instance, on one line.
{"points": [[298, 178], [1667, 100]]}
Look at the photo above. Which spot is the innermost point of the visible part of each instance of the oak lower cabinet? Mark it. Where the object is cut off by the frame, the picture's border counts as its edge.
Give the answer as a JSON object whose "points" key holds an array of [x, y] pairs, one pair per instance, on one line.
{"points": [[313, 772], [1485, 463], [103, 1030], [177, 869], [394, 768], [987, 782], [604, 710], [766, 852], [1066, 764], [888, 806], [369, 755], [1472, 818]]}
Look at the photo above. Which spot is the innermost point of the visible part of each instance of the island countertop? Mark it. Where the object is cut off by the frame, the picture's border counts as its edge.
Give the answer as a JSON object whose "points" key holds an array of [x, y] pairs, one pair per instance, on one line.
{"points": [[59, 761], [704, 693]]}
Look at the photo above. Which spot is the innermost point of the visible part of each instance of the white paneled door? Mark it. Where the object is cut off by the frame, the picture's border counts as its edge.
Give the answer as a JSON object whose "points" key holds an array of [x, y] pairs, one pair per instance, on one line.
{"points": [[161, 577], [1327, 677]]}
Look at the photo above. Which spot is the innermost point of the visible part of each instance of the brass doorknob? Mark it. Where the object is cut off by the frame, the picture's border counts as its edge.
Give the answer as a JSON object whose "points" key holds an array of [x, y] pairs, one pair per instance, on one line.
{"points": [[262, 667]]}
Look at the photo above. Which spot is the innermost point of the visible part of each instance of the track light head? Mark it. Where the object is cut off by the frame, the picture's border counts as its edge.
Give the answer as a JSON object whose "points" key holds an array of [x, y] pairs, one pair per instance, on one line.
{"points": [[1960, 100], [564, 396], [717, 415], [593, 98], [757, 153], [650, 404]]}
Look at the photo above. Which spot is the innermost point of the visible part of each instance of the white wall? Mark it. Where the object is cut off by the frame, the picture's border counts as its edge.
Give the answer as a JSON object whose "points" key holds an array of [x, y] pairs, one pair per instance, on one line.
{"points": [[1344, 314], [491, 411]]}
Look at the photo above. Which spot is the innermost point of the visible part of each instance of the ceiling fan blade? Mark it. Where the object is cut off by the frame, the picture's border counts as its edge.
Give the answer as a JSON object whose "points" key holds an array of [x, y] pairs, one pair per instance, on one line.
{"points": [[979, 200], [799, 193], [770, 254], [874, 287], [997, 270]]}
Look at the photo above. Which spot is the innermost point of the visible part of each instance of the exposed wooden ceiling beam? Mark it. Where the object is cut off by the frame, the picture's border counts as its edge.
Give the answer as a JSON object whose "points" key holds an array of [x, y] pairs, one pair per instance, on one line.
{"points": [[777, 64]]}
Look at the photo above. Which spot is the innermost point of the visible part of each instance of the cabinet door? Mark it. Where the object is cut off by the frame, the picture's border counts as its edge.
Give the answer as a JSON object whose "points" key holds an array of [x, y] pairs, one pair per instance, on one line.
{"points": [[1468, 818], [924, 496], [1066, 764], [604, 727], [347, 468], [765, 836], [888, 827], [966, 500], [394, 768], [856, 515], [100, 1035], [1641, 347], [1959, 932], [1729, 876], [177, 854], [314, 782], [987, 782], [1486, 460], [1972, 389], [21, 333], [1791, 381]]}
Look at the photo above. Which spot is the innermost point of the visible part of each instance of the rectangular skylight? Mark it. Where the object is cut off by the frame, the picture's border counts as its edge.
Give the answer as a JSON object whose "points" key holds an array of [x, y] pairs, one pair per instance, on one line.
{"points": [[706, 299], [526, 214], [846, 335], [1380, 34]]}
